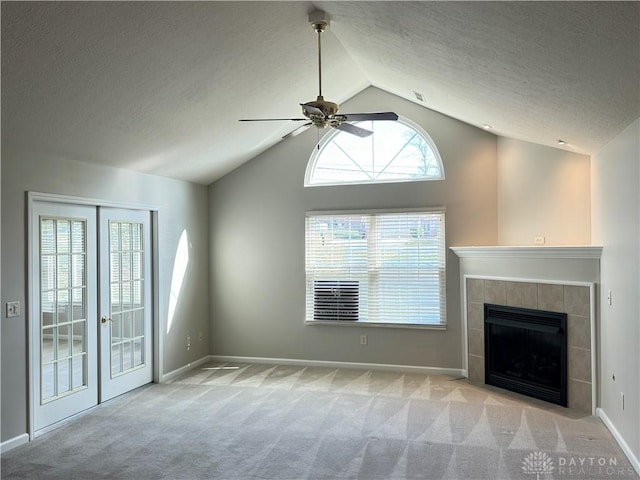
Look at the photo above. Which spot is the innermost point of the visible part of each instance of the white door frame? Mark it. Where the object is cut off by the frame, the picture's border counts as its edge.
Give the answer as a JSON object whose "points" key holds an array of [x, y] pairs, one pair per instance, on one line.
{"points": [[32, 197]]}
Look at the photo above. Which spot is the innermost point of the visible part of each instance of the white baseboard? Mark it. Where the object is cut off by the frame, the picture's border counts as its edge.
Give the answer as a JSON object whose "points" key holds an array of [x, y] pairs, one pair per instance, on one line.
{"points": [[14, 442], [621, 441], [455, 372], [175, 373]]}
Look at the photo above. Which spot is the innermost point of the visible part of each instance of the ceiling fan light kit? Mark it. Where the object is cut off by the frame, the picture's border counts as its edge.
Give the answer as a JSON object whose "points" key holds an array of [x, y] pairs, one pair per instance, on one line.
{"points": [[323, 113]]}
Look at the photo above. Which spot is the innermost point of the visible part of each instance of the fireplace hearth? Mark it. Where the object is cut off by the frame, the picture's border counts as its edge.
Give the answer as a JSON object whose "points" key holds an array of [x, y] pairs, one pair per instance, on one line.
{"points": [[526, 351]]}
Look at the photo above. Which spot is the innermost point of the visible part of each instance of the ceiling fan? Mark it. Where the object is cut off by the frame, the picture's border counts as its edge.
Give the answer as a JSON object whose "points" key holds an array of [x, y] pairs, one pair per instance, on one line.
{"points": [[322, 113]]}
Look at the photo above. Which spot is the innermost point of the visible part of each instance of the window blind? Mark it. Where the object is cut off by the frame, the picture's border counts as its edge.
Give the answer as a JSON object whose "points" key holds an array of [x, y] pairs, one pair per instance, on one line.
{"points": [[397, 261]]}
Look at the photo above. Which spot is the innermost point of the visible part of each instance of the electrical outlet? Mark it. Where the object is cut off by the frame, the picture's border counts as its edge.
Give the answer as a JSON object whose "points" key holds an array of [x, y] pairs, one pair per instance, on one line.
{"points": [[13, 309], [364, 340], [609, 301], [538, 240], [188, 341], [622, 395]]}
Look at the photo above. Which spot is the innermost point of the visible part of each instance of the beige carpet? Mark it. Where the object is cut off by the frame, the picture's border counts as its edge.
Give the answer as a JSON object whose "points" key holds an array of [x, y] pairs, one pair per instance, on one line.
{"points": [[226, 421]]}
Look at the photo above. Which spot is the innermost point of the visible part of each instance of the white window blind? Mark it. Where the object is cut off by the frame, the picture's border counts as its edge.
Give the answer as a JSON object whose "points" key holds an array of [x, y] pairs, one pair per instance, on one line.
{"points": [[391, 264]]}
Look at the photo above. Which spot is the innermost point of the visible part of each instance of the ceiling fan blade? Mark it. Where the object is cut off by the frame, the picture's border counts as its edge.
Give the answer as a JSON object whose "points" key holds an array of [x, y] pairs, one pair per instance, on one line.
{"points": [[360, 132], [298, 131], [272, 119], [358, 117], [311, 109]]}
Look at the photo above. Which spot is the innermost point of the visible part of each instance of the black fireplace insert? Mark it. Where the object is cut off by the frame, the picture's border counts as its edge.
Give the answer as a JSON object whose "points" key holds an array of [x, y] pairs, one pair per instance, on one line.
{"points": [[526, 351]]}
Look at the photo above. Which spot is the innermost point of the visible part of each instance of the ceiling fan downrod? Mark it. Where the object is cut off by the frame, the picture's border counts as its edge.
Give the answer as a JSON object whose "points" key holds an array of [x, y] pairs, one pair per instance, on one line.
{"points": [[320, 111], [319, 27]]}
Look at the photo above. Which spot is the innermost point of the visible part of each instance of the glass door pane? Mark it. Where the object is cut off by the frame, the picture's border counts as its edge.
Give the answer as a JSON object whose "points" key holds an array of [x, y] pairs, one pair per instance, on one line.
{"points": [[63, 307], [126, 274]]}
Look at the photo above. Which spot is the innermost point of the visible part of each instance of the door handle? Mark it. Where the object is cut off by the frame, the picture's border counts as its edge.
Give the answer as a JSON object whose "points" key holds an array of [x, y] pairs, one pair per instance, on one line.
{"points": [[105, 319]]}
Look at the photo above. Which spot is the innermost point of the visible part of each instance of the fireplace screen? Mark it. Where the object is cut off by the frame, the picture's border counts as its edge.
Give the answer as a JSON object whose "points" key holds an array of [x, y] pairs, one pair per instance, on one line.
{"points": [[526, 351]]}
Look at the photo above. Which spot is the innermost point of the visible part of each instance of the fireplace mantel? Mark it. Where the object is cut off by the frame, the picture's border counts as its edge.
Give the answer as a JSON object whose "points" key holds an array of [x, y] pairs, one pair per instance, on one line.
{"points": [[541, 252]]}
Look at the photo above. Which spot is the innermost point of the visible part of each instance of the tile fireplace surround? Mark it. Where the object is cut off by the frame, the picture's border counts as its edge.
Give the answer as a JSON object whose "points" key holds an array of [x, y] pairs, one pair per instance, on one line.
{"points": [[559, 279]]}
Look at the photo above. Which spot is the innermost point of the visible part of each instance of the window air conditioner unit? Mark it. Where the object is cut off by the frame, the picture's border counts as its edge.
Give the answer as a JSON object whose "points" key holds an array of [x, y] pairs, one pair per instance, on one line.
{"points": [[335, 299]]}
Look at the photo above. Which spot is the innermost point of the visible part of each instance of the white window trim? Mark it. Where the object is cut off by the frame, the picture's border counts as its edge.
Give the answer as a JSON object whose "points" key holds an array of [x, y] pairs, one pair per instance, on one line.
{"points": [[358, 323], [370, 324], [317, 153]]}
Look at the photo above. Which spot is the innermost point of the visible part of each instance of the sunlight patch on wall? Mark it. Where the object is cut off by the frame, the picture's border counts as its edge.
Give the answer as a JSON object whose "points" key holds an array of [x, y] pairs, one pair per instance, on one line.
{"points": [[179, 270]]}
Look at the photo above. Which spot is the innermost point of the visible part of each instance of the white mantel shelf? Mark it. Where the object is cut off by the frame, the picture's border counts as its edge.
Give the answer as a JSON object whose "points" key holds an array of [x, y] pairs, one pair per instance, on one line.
{"points": [[542, 251]]}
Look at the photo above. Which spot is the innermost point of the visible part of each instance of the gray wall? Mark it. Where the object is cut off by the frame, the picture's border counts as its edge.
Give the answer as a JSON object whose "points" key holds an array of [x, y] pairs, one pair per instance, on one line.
{"points": [[181, 206], [257, 279], [615, 201], [542, 191]]}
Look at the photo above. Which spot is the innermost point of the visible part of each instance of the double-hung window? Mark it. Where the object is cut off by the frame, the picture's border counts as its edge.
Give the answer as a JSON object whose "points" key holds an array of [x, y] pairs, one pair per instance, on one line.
{"points": [[378, 267]]}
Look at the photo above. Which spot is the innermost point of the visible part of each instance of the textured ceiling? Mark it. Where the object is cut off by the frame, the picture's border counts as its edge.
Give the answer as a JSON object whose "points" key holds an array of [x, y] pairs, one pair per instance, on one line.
{"points": [[158, 87]]}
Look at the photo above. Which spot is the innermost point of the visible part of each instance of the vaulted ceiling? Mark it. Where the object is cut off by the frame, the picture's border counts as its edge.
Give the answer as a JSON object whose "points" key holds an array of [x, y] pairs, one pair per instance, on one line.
{"points": [[159, 87]]}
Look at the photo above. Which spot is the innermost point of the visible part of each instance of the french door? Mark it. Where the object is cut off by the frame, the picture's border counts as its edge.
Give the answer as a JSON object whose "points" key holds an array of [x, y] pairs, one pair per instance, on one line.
{"points": [[64, 331], [91, 319], [125, 299]]}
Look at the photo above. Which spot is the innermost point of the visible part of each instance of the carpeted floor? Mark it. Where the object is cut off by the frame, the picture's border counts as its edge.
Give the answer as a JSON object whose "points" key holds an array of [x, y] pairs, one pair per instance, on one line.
{"points": [[226, 421]]}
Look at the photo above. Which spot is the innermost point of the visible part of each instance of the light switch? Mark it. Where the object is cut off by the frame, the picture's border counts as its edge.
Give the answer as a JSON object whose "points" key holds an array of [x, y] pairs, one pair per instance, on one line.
{"points": [[13, 309]]}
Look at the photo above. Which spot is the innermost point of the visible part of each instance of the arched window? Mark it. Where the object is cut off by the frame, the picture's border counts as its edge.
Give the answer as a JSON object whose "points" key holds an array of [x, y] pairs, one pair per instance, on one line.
{"points": [[398, 151]]}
